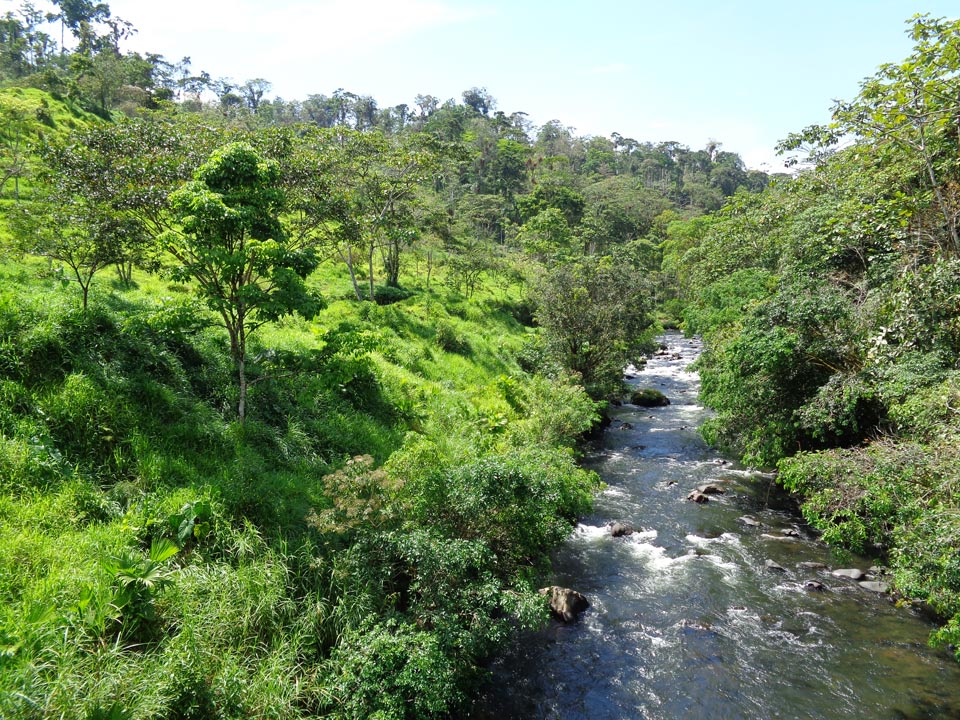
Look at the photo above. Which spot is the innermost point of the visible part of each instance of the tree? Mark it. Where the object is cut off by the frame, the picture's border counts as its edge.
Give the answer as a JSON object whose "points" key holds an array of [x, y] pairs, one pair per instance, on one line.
{"points": [[594, 315], [909, 109], [232, 244], [253, 92], [82, 235], [357, 193], [14, 143], [127, 171]]}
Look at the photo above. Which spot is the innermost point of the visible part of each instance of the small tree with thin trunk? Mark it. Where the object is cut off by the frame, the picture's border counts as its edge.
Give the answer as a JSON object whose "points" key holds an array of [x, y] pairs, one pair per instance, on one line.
{"points": [[232, 245], [83, 237]]}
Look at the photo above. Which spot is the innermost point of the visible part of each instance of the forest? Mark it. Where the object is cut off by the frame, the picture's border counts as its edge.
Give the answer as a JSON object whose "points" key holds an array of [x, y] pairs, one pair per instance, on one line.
{"points": [[292, 393]]}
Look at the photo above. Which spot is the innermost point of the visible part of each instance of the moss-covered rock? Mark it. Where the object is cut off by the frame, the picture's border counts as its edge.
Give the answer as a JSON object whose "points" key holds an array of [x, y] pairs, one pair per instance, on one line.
{"points": [[648, 397]]}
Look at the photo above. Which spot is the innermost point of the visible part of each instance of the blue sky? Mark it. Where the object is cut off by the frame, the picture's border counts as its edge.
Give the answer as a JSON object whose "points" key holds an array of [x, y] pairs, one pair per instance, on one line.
{"points": [[743, 73]]}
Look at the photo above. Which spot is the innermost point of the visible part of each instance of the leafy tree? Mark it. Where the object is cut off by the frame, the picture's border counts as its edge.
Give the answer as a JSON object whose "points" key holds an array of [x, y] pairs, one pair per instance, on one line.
{"points": [[232, 244], [911, 109], [15, 144], [82, 235], [595, 316], [357, 193], [127, 171]]}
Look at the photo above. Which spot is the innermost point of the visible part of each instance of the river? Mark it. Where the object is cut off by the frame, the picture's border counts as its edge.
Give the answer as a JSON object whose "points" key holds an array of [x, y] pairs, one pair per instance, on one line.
{"points": [[687, 620]]}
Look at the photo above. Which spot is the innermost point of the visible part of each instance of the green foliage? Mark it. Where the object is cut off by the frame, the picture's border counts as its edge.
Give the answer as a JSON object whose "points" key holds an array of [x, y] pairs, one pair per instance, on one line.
{"points": [[829, 308], [233, 246], [450, 340], [596, 318]]}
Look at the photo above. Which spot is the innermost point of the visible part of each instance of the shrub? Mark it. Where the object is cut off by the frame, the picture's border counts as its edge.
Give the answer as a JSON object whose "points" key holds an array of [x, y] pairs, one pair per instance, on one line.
{"points": [[449, 339]]}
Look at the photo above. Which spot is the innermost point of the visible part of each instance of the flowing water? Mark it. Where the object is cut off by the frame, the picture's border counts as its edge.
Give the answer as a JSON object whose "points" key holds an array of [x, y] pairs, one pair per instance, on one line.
{"points": [[687, 620]]}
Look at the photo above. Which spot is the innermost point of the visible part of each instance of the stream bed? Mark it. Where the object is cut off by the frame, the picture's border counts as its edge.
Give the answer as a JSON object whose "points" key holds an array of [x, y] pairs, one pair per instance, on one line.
{"points": [[687, 620]]}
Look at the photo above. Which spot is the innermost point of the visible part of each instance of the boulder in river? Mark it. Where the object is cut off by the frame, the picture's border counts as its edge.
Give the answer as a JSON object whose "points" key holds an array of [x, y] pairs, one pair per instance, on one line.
{"points": [[619, 529], [875, 586], [565, 604], [814, 586], [749, 521], [648, 397], [710, 489], [852, 573], [698, 497], [771, 566], [806, 565]]}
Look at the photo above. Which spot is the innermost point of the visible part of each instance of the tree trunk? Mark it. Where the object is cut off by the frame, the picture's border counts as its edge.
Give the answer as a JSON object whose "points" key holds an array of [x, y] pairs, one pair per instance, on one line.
{"points": [[372, 249], [348, 259], [238, 349], [392, 263]]}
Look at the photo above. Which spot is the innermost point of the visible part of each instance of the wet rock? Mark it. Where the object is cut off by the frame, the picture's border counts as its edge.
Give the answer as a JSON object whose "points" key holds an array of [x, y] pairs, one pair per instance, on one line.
{"points": [[626, 426], [565, 604], [771, 566], [790, 532], [711, 489], [749, 521], [698, 497], [851, 573], [629, 376], [814, 586], [618, 529], [875, 586], [812, 565]]}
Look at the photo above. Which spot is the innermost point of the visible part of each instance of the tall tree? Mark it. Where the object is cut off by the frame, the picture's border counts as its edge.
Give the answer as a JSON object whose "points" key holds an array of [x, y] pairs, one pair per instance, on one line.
{"points": [[232, 245]]}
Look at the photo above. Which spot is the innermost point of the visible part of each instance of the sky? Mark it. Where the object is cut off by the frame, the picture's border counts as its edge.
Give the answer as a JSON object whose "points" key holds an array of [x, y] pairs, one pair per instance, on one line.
{"points": [[743, 73]]}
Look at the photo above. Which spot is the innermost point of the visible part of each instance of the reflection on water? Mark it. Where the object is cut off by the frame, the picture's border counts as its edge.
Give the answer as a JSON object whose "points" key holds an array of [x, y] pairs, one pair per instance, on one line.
{"points": [[687, 619]]}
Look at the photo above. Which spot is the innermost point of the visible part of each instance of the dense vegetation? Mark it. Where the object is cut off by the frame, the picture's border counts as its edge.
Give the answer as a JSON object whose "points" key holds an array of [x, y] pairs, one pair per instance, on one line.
{"points": [[290, 391], [830, 306]]}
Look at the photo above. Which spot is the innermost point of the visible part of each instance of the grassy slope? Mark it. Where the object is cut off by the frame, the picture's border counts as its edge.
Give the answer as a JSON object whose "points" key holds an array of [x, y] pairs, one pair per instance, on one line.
{"points": [[114, 422], [35, 117]]}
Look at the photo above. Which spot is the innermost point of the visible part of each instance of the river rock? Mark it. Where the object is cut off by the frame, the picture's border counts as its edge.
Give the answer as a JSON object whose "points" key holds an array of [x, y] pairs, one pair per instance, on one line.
{"points": [[619, 529], [875, 586], [626, 426], [711, 489], [814, 586], [749, 521], [790, 532], [649, 397], [774, 567], [812, 565], [852, 573], [565, 604], [698, 497]]}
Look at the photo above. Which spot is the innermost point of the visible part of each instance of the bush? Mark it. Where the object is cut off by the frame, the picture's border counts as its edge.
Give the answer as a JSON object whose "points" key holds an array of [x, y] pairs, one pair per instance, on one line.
{"points": [[450, 340], [387, 294]]}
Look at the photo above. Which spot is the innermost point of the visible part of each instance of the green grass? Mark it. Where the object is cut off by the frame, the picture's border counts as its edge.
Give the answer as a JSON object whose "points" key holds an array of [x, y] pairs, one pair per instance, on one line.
{"points": [[115, 422]]}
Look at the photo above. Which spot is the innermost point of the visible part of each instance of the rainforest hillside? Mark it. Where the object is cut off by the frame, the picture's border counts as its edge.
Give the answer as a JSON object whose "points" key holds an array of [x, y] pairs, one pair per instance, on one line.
{"points": [[291, 391]]}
